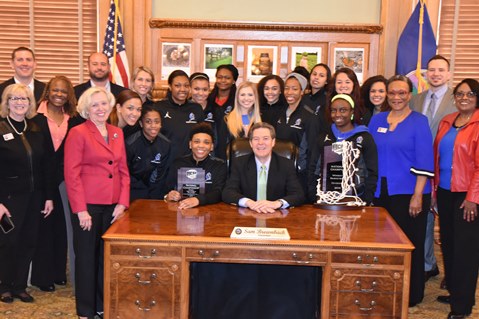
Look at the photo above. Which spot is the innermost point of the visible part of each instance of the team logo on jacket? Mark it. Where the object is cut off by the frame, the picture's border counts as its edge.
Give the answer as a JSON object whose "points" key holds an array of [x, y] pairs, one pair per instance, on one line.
{"points": [[191, 173], [359, 141], [228, 109], [208, 177], [326, 138], [297, 124], [157, 159], [167, 115], [317, 110], [191, 118], [209, 117]]}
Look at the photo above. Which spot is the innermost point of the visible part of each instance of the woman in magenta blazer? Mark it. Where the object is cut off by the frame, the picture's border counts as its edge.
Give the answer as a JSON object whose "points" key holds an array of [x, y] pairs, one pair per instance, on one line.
{"points": [[98, 187]]}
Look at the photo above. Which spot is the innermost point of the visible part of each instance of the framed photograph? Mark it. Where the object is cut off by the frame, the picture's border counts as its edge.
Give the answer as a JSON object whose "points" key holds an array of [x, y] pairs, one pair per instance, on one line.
{"points": [[175, 56], [261, 61], [216, 55], [305, 56], [351, 55]]}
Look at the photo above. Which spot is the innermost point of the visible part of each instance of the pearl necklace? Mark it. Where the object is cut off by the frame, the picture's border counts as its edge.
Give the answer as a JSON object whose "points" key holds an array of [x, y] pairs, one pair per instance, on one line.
{"points": [[13, 127]]}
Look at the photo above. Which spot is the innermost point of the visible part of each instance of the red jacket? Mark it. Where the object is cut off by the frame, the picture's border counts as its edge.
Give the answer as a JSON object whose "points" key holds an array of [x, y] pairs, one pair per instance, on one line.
{"points": [[465, 161], [96, 172]]}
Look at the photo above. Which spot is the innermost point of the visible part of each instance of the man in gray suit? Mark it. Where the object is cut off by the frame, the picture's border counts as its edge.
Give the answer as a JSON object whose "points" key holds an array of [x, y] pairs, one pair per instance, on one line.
{"points": [[435, 103]]}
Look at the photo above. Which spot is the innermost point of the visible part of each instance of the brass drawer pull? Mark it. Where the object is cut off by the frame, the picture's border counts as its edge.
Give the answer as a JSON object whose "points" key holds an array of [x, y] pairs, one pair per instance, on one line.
{"points": [[374, 285], [375, 259], [152, 253], [358, 303], [214, 254], [296, 257], [145, 282], [138, 304]]}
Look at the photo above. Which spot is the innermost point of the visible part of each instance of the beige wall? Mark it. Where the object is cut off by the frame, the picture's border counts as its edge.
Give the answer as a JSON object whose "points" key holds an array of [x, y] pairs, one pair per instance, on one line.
{"points": [[316, 11]]}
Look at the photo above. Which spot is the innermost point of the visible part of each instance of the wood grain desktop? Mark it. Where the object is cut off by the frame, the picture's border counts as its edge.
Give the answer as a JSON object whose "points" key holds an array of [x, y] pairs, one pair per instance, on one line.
{"points": [[364, 255]]}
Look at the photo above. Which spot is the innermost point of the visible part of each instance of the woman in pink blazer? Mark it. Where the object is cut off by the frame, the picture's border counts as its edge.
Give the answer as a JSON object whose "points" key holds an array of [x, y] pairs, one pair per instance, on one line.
{"points": [[98, 187]]}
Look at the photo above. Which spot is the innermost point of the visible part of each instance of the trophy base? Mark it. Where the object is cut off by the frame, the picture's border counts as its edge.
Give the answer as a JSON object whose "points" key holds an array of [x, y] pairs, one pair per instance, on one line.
{"points": [[342, 206]]}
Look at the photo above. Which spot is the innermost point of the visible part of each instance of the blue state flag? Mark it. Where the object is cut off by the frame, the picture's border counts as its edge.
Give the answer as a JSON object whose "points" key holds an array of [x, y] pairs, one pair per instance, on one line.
{"points": [[415, 47]]}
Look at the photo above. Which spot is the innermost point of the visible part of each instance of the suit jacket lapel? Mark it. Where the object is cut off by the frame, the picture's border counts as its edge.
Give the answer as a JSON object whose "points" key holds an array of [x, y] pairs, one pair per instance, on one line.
{"points": [[97, 136], [252, 175]]}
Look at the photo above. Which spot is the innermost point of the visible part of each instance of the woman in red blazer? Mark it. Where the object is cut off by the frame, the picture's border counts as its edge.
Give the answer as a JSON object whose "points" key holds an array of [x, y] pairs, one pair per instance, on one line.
{"points": [[98, 187]]}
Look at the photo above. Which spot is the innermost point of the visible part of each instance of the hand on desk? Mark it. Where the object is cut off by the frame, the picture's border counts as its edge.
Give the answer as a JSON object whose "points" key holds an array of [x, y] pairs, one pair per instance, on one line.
{"points": [[263, 206]]}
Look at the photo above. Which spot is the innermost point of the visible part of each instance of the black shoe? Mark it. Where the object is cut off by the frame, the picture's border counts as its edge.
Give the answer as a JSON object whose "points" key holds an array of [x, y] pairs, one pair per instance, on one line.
{"points": [[431, 273], [453, 315], [23, 296], [444, 299], [61, 282], [49, 288], [6, 297]]}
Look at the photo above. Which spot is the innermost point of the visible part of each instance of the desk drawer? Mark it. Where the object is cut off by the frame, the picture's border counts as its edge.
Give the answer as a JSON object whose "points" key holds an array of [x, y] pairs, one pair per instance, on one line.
{"points": [[145, 251], [367, 259], [371, 305], [248, 255], [367, 281]]}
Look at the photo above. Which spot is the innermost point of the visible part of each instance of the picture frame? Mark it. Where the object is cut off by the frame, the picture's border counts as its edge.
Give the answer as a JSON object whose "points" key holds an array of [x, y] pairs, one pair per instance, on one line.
{"points": [[175, 56], [215, 54], [351, 55], [306, 55], [261, 60]]}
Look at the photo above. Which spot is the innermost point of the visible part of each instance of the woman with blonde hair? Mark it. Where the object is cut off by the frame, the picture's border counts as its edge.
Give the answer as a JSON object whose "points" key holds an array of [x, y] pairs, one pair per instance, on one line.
{"points": [[142, 82], [238, 122], [26, 175]]}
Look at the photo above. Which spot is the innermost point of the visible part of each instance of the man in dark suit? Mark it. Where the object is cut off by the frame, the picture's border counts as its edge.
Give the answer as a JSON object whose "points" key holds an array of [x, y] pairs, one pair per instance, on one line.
{"points": [[258, 291], [99, 70], [435, 103], [23, 64], [243, 187]]}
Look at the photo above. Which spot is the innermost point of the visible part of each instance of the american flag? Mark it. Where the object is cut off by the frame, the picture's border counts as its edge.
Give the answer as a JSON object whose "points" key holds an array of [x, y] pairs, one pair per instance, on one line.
{"points": [[114, 47]]}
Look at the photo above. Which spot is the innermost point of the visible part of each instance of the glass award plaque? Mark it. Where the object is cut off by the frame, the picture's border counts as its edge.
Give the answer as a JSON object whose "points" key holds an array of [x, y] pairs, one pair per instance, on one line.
{"points": [[332, 169], [191, 181]]}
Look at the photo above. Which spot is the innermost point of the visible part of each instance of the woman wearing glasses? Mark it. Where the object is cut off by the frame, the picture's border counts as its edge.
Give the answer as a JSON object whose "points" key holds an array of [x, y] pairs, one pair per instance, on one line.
{"points": [[405, 163], [456, 151], [26, 179]]}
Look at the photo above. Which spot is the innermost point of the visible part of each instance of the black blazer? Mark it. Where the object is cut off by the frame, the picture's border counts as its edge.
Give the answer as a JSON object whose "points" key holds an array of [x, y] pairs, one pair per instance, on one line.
{"points": [[38, 88], [283, 183], [80, 88]]}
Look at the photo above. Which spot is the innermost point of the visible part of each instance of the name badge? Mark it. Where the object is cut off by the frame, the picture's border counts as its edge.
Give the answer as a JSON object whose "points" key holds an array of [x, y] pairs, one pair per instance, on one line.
{"points": [[382, 130], [8, 137]]}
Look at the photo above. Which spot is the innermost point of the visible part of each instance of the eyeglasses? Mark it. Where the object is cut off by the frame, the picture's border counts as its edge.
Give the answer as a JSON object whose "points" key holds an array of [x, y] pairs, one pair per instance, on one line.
{"points": [[402, 94], [19, 99], [469, 95]]}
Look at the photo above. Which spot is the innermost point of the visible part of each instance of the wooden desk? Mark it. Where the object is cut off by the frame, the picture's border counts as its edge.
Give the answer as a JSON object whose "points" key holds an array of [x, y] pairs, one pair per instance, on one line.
{"points": [[364, 254]]}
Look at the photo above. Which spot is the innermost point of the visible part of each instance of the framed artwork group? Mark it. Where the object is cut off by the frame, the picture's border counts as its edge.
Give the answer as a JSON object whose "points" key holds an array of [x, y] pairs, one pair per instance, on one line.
{"points": [[255, 60]]}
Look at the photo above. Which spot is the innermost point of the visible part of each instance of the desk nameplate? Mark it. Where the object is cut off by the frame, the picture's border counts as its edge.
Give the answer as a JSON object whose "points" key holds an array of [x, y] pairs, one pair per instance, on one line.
{"points": [[260, 233]]}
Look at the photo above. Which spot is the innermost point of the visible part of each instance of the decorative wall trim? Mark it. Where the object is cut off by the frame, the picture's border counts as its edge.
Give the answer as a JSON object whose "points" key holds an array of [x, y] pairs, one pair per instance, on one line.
{"points": [[265, 26]]}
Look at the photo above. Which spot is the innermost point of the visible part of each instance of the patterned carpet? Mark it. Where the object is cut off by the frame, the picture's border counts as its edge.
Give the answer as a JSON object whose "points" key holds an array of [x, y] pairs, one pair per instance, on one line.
{"points": [[61, 304]]}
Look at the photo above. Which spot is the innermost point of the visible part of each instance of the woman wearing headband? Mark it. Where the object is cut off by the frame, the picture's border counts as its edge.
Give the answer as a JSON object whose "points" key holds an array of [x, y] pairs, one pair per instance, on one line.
{"points": [[344, 128]]}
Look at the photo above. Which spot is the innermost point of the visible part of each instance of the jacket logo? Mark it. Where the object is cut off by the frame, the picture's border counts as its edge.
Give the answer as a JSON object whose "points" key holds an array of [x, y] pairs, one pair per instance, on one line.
{"points": [[167, 115], [191, 118], [157, 159], [297, 124], [209, 117], [228, 109], [208, 177]]}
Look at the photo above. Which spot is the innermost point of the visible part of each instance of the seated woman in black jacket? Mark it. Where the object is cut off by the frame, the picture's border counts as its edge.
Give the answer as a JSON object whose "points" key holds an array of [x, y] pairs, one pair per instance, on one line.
{"points": [[201, 144]]}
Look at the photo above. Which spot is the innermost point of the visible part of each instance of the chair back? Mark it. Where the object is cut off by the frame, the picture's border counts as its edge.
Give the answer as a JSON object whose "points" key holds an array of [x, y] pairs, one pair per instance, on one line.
{"points": [[240, 147]]}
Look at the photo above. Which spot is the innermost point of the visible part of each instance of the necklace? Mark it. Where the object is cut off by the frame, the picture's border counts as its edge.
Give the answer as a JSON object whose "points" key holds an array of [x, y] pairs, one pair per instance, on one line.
{"points": [[13, 127]]}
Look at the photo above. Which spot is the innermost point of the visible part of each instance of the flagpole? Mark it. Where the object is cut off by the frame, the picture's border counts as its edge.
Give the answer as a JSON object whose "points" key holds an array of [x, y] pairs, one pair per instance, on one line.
{"points": [[420, 83], [115, 38]]}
